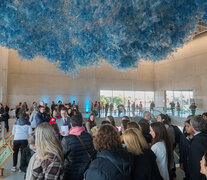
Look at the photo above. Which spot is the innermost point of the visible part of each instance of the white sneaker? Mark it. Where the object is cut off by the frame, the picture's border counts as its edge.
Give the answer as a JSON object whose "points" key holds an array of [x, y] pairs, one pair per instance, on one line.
{"points": [[13, 169], [20, 171]]}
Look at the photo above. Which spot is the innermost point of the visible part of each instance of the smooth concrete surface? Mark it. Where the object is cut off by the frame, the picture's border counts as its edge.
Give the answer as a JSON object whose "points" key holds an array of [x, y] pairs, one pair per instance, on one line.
{"points": [[3, 73], [38, 80], [185, 69]]}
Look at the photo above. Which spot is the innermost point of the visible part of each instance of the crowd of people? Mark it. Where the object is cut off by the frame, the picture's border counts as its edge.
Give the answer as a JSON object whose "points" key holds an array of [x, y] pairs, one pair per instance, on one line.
{"points": [[131, 108], [56, 143], [177, 107]]}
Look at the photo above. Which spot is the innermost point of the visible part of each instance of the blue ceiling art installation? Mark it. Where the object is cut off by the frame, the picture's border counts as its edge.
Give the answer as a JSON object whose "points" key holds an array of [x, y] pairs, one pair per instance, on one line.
{"points": [[81, 33]]}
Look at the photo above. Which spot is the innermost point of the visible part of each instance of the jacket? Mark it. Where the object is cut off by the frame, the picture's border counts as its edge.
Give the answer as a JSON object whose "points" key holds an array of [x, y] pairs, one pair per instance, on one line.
{"points": [[114, 164], [76, 157], [50, 168], [53, 120], [2, 118], [143, 121], [32, 119], [197, 149], [42, 117], [25, 158], [33, 164], [145, 167], [184, 148], [34, 108], [21, 129], [60, 123], [176, 135], [161, 158], [6, 112]]}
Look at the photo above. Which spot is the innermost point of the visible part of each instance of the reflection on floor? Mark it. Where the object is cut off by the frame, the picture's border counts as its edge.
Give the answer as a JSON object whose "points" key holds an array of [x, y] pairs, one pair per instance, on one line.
{"points": [[9, 175]]}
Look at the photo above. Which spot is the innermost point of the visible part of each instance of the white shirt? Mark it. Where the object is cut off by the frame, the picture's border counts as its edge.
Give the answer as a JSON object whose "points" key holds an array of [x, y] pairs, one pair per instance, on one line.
{"points": [[160, 151]]}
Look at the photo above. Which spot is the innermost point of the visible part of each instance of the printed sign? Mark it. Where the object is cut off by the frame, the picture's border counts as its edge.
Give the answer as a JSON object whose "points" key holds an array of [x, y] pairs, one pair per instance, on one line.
{"points": [[5, 154], [2, 142], [8, 138]]}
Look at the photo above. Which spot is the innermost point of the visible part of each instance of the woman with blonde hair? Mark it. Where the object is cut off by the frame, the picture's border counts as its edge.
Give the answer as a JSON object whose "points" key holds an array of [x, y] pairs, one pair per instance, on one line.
{"points": [[145, 160], [49, 151]]}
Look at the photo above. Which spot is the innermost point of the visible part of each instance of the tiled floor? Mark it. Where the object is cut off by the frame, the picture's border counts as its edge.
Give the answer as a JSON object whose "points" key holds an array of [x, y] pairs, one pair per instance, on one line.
{"points": [[9, 175]]}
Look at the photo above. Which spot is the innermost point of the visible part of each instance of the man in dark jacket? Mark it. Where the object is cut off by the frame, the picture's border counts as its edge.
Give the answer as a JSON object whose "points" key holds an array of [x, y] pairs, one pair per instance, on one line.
{"points": [[145, 124], [2, 119], [147, 117], [78, 149], [41, 116], [198, 147], [6, 116]]}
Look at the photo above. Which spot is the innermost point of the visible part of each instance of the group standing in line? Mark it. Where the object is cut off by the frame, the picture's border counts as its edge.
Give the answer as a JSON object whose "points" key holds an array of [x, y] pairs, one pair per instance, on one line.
{"points": [[61, 145]]}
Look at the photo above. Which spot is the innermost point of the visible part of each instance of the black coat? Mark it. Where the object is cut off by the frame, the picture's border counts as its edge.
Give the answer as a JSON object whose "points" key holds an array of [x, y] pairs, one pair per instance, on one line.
{"points": [[6, 110], [198, 148], [2, 112], [145, 167], [176, 135], [111, 165], [42, 117], [76, 157], [25, 158], [17, 112], [184, 148]]}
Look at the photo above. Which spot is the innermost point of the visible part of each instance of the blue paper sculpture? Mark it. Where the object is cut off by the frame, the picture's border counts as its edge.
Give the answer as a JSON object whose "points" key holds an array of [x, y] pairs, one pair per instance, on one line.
{"points": [[80, 33]]}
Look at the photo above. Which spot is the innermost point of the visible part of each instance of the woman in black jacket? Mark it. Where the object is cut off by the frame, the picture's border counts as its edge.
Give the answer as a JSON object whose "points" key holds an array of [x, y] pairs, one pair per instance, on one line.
{"points": [[78, 149], [112, 162], [145, 166]]}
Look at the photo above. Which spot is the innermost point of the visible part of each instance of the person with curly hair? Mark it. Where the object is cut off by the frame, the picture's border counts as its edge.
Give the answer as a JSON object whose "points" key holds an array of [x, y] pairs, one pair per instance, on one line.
{"points": [[112, 161]]}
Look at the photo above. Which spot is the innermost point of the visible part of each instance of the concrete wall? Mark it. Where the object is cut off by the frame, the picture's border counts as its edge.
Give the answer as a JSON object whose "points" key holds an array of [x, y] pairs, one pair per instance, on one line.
{"points": [[184, 70], [39, 79], [3, 74]]}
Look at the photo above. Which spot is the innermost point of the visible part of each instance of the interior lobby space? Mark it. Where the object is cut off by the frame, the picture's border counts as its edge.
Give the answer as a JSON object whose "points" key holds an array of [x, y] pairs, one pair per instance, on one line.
{"points": [[103, 90], [179, 78]]}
